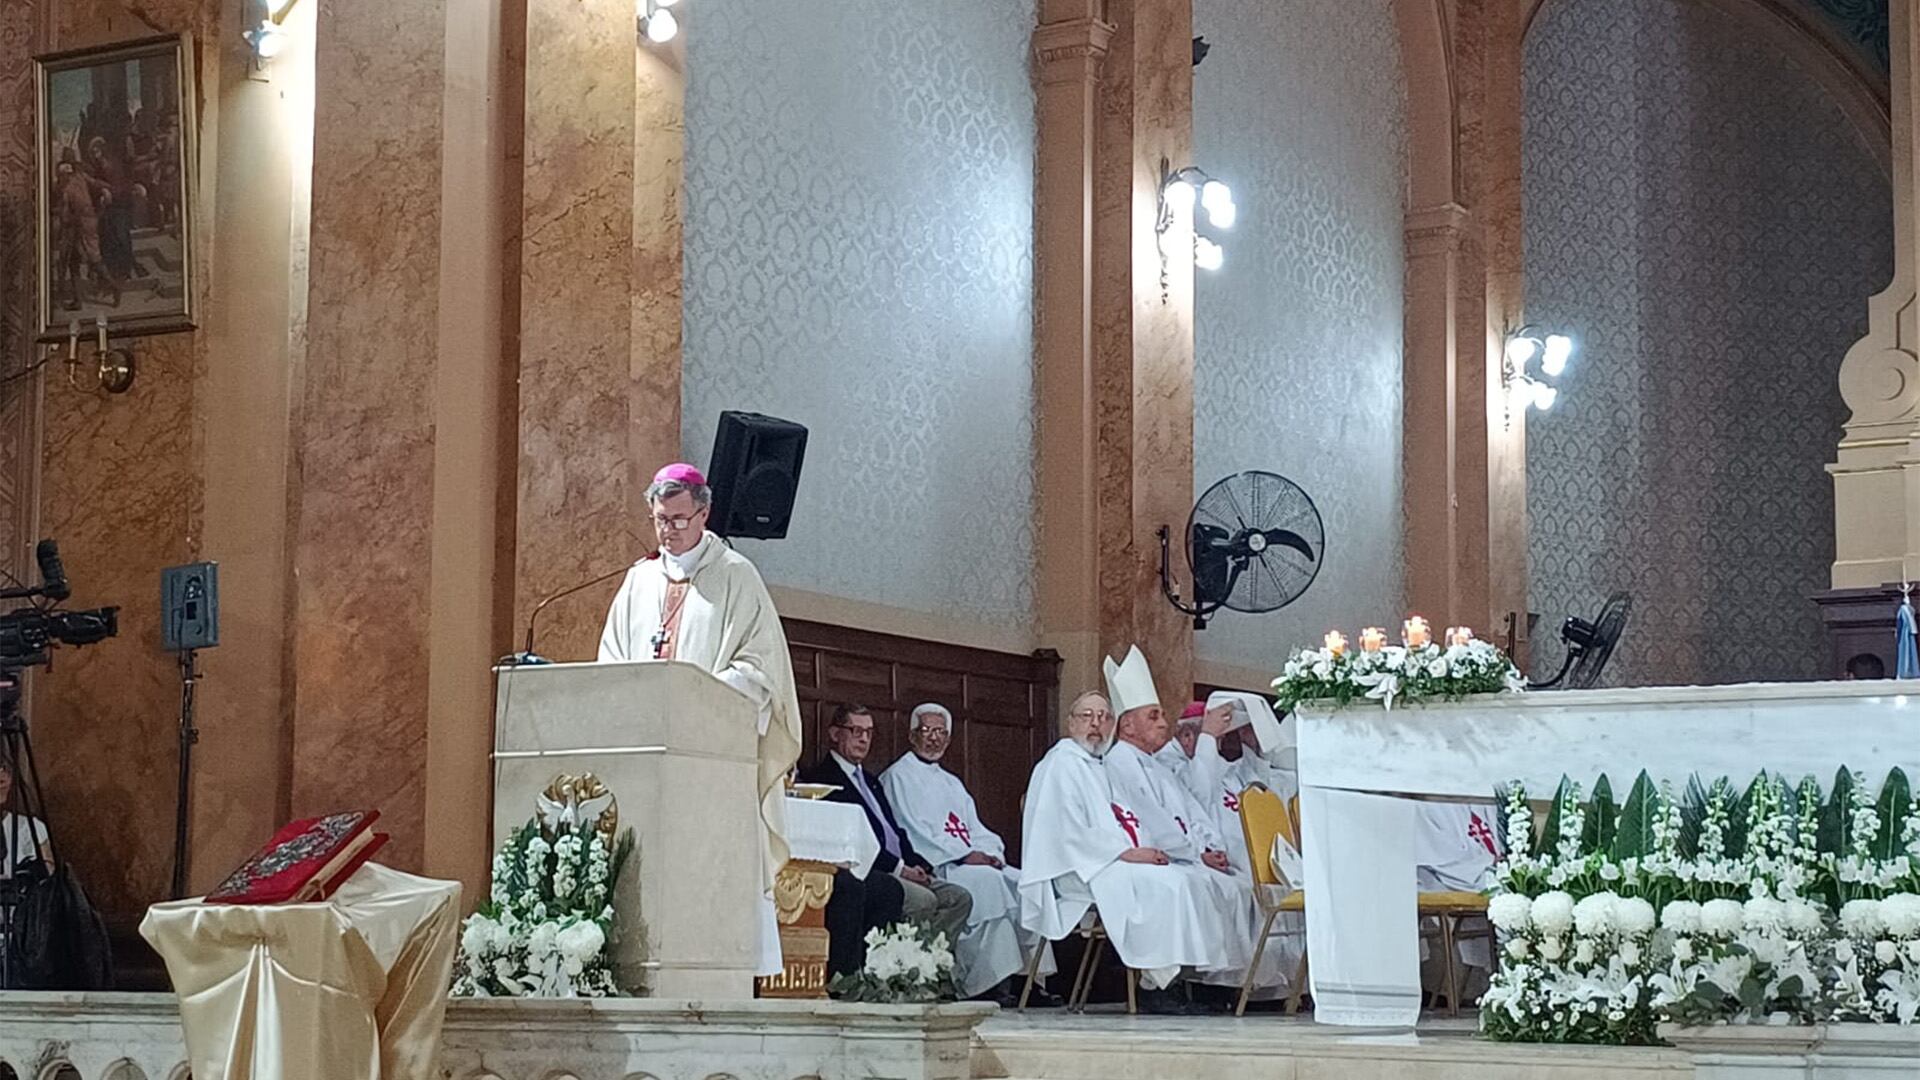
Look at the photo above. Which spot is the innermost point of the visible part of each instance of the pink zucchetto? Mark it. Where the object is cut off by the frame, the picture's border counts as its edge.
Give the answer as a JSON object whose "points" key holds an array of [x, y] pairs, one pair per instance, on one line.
{"points": [[680, 472]]}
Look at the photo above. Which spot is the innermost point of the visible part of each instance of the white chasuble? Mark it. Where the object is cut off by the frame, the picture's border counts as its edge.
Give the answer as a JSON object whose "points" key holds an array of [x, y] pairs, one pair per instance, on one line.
{"points": [[943, 823], [725, 622], [1158, 917]]}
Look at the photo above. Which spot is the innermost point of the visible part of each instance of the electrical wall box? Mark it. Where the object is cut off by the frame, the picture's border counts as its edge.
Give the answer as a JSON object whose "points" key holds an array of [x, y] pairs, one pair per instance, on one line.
{"points": [[190, 606]]}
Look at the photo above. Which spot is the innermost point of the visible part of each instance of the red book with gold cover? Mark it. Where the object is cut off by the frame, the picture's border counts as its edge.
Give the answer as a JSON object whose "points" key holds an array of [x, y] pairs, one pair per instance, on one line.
{"points": [[305, 860]]}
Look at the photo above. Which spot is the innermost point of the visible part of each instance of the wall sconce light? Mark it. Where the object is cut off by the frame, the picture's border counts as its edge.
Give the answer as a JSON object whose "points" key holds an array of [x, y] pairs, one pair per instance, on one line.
{"points": [[112, 368], [1182, 189], [1523, 347], [268, 38], [657, 24]]}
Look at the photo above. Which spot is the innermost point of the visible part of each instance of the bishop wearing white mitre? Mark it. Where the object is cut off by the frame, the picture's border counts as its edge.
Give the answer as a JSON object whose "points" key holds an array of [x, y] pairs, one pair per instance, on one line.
{"points": [[940, 818], [700, 601], [1084, 847], [1246, 725]]}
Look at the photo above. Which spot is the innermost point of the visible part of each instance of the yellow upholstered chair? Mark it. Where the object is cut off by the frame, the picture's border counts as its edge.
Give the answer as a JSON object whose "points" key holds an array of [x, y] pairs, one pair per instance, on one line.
{"points": [[1264, 816]]}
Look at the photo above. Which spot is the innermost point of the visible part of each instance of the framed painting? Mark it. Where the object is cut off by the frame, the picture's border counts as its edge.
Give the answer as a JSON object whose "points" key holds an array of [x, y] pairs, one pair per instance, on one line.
{"points": [[116, 188]]}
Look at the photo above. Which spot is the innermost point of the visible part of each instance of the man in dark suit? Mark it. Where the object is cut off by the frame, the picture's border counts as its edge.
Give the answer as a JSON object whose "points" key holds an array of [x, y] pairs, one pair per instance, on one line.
{"points": [[940, 904]]}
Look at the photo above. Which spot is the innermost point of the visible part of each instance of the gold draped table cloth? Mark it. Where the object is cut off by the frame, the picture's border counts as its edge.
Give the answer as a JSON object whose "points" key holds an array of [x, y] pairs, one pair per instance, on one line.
{"points": [[822, 837], [352, 988]]}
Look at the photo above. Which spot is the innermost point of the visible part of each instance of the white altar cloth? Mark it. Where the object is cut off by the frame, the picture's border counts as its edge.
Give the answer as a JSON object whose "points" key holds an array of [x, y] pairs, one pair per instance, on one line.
{"points": [[831, 832], [1362, 940]]}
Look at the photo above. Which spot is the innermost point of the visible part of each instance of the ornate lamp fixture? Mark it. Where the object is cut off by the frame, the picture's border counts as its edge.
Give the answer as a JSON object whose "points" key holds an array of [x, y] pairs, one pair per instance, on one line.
{"points": [[1180, 190], [1523, 346], [657, 24]]}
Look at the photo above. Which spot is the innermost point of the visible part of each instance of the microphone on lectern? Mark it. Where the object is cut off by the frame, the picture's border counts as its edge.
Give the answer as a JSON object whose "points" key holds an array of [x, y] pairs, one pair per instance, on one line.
{"points": [[527, 655]]}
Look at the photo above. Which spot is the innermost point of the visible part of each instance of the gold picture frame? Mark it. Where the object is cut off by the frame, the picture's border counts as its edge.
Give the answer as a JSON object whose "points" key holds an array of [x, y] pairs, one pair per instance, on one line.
{"points": [[115, 157]]}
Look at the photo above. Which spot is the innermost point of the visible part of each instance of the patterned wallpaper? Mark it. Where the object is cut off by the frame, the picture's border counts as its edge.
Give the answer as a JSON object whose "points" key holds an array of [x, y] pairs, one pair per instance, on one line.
{"points": [[1300, 107], [859, 258], [1862, 22], [1702, 220]]}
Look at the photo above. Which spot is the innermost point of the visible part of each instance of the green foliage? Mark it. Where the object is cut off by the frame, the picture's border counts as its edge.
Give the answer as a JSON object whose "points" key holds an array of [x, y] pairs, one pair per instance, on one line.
{"points": [[1896, 797], [1633, 834], [1693, 815], [1836, 820], [1740, 817], [1549, 836], [1602, 818]]}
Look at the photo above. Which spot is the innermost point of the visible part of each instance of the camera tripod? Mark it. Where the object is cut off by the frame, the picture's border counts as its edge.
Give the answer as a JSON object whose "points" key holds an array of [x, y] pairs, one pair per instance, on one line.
{"points": [[24, 815]]}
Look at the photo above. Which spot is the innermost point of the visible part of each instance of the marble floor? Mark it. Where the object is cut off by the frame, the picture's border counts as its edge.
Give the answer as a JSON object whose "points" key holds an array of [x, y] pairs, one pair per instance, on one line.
{"points": [[1114, 1046]]}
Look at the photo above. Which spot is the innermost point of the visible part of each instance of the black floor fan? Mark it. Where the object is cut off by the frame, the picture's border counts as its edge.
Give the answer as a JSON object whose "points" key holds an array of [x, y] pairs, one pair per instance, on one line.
{"points": [[1589, 645]]}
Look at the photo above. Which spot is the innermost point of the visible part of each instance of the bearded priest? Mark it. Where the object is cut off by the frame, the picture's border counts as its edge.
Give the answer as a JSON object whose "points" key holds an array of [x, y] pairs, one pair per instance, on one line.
{"points": [[699, 601], [940, 818], [1084, 847]]}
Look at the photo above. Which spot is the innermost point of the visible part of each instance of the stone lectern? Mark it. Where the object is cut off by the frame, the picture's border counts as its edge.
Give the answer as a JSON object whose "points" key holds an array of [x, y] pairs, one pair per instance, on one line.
{"points": [[675, 747]]}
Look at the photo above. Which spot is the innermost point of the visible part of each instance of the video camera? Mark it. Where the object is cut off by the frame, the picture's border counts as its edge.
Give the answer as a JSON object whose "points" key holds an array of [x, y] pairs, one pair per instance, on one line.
{"points": [[28, 634]]}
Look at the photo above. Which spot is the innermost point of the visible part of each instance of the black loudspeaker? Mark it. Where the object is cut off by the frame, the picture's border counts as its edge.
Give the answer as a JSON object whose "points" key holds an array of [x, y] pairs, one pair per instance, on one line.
{"points": [[754, 474]]}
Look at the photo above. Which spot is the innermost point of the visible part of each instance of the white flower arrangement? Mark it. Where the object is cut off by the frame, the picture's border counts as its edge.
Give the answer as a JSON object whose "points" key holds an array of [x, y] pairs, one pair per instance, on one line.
{"points": [[1768, 906], [548, 919], [1417, 669], [907, 963]]}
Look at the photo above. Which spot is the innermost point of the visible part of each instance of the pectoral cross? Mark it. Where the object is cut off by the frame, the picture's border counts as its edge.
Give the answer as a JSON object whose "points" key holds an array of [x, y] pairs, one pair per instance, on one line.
{"points": [[661, 638], [957, 828], [1479, 831]]}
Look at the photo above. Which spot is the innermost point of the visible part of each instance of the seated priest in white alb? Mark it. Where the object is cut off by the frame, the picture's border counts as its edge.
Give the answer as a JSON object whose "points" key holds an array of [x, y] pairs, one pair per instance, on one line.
{"points": [[1454, 850], [939, 816], [699, 601], [1186, 740], [1083, 849]]}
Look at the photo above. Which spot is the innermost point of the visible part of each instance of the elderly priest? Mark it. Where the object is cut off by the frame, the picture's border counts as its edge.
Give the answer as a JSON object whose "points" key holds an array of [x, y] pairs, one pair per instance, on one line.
{"points": [[1084, 848], [699, 601], [940, 818]]}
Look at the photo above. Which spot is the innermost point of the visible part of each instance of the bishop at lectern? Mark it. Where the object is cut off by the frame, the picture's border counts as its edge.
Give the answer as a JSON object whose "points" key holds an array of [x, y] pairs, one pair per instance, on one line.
{"points": [[700, 601]]}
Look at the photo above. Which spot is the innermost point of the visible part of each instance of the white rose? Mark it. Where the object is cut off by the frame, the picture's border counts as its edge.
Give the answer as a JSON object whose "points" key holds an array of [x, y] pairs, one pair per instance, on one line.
{"points": [[1765, 913], [1634, 916], [1861, 919], [1583, 952], [1593, 915], [1437, 668], [1552, 912], [1913, 952], [477, 936], [540, 941], [1886, 952], [1722, 918], [1629, 953], [1322, 669], [1550, 949], [1681, 917], [1682, 949], [1803, 918], [1510, 912], [1901, 914], [1517, 948]]}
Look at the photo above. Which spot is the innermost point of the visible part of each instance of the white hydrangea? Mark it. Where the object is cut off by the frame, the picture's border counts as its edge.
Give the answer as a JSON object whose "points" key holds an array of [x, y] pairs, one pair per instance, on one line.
{"points": [[1900, 914], [1765, 914], [581, 942], [1634, 916], [1861, 919], [1722, 918], [1803, 918], [1681, 917], [1511, 913], [1552, 912], [1593, 915]]}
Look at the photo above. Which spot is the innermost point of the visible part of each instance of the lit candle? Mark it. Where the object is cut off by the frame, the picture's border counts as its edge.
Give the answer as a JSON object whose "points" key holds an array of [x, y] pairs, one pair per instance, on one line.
{"points": [[1459, 635], [1336, 643], [1373, 639], [1416, 633]]}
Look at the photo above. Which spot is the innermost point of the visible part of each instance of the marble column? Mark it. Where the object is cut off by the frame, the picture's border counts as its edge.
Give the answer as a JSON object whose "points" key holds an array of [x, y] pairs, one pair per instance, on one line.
{"points": [[1465, 451], [1876, 471], [659, 170], [1142, 306], [575, 516], [1068, 48], [363, 434]]}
